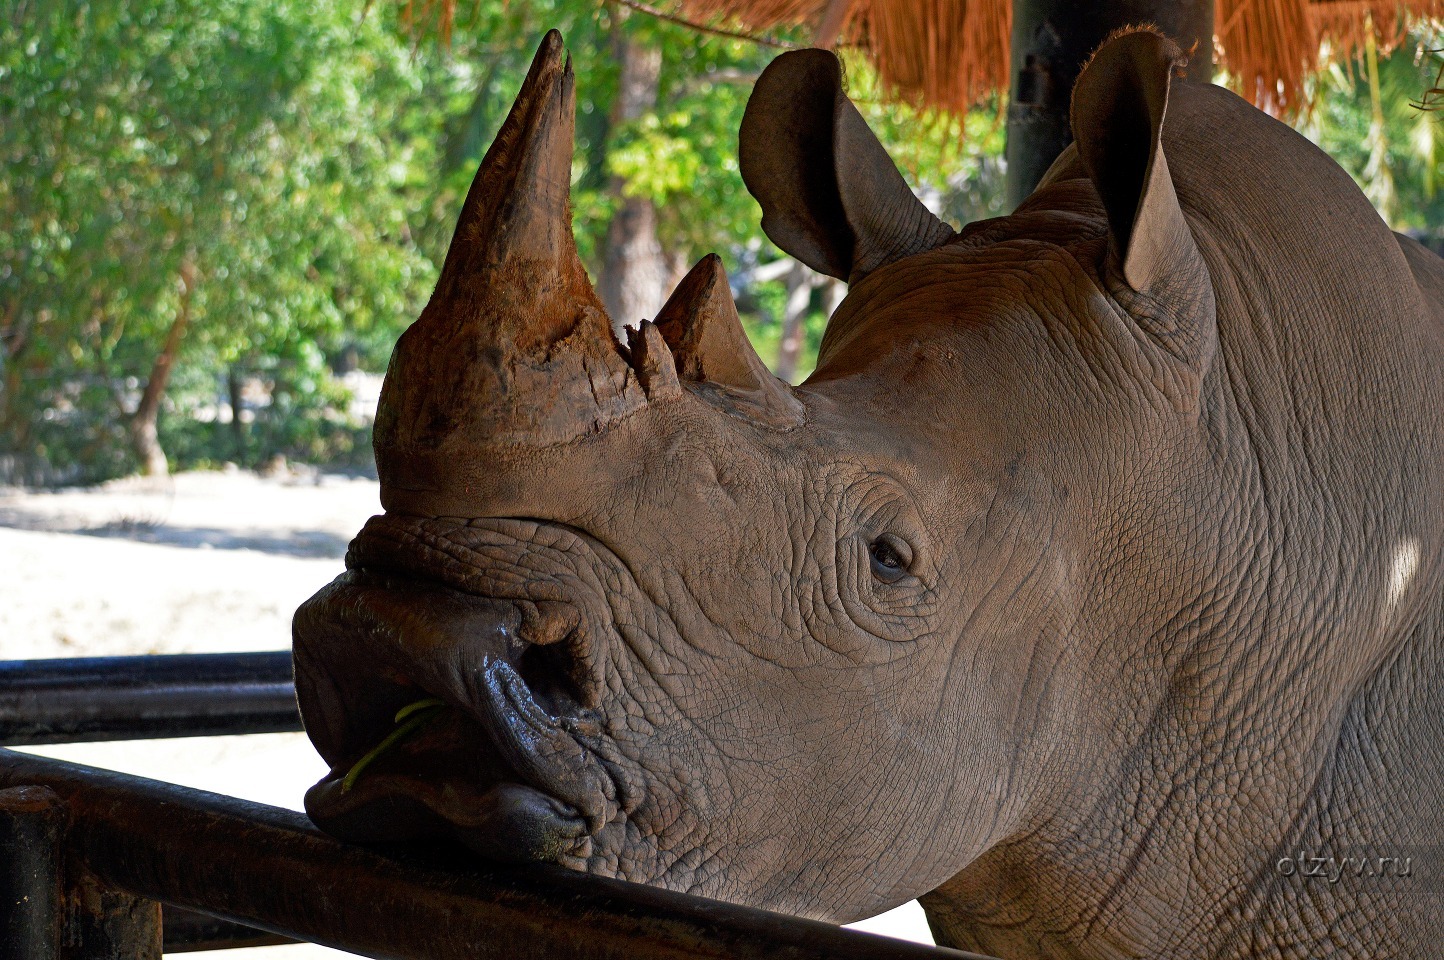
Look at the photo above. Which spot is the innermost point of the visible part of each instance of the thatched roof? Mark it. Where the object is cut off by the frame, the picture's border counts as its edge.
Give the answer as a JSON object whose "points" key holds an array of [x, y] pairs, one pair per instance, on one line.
{"points": [[949, 53]]}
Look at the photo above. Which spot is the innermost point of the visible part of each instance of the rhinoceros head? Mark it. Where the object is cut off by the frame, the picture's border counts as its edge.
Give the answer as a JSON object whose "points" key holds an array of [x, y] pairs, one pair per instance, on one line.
{"points": [[812, 649]]}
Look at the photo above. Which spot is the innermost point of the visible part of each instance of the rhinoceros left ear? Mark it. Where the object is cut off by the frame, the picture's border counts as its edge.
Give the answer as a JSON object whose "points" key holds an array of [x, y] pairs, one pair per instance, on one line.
{"points": [[830, 194], [1118, 108]]}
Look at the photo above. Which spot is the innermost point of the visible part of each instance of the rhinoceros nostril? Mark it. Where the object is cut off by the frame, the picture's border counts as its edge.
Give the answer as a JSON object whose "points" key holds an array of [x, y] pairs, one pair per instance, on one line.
{"points": [[557, 662]]}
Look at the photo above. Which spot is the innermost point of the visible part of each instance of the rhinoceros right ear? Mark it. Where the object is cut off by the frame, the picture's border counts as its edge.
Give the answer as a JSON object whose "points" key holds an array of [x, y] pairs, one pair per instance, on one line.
{"points": [[830, 194], [1118, 107]]}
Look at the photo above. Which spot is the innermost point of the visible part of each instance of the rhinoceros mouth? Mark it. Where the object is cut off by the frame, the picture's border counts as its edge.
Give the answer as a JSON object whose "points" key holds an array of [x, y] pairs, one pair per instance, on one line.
{"points": [[524, 792], [511, 766]]}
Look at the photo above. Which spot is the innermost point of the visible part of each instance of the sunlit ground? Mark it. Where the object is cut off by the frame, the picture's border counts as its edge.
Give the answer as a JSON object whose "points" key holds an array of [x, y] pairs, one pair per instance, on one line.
{"points": [[205, 562]]}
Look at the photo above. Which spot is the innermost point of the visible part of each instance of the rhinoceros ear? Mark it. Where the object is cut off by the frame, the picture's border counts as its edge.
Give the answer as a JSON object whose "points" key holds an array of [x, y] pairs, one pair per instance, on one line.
{"points": [[1118, 107], [830, 194]]}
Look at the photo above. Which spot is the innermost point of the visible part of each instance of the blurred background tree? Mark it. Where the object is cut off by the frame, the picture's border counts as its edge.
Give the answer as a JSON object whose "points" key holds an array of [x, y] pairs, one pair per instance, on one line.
{"points": [[220, 213], [1368, 119], [221, 189]]}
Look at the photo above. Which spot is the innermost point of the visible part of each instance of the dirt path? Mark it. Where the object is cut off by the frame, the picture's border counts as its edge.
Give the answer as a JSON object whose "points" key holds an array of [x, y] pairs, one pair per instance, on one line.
{"points": [[203, 562]]}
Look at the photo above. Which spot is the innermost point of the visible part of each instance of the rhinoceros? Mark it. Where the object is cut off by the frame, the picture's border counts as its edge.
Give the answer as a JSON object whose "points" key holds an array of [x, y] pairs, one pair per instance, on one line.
{"points": [[1089, 590]]}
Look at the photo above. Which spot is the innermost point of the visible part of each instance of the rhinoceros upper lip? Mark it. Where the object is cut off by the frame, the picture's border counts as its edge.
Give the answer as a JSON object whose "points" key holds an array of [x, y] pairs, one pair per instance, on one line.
{"points": [[461, 556], [442, 551], [541, 749]]}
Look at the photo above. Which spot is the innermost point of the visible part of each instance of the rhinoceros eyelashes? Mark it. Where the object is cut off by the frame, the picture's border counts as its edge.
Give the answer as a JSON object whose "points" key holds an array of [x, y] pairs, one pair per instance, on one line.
{"points": [[889, 557]]}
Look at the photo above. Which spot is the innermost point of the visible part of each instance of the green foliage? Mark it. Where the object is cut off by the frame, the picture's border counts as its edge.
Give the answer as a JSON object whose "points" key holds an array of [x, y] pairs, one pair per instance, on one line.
{"points": [[275, 147], [1366, 119], [683, 155], [764, 327], [305, 162]]}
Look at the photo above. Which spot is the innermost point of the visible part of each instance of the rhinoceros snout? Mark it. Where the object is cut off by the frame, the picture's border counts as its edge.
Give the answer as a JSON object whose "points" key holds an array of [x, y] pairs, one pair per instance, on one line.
{"points": [[446, 714]]}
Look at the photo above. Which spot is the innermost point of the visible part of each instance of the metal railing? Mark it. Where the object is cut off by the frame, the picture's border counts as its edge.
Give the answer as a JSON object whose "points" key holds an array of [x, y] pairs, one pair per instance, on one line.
{"points": [[89, 699], [100, 864]]}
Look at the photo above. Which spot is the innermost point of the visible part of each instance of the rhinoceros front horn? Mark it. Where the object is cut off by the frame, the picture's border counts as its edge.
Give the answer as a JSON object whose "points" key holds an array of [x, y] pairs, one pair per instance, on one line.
{"points": [[514, 235], [514, 346]]}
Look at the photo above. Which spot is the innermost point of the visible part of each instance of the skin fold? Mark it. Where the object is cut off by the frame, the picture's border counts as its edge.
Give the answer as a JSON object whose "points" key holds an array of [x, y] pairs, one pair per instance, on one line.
{"points": [[1089, 590]]}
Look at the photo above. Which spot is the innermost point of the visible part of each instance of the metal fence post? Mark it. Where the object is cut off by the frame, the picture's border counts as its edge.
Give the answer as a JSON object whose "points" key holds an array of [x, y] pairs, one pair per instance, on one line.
{"points": [[31, 826], [51, 906], [103, 923]]}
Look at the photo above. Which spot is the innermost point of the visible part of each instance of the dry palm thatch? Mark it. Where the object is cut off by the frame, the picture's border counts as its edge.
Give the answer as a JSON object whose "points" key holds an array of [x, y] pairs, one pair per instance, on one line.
{"points": [[948, 53], [932, 53], [1270, 46]]}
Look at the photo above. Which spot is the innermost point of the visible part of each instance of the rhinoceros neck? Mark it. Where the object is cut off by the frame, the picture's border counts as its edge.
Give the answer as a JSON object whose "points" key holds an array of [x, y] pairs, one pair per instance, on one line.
{"points": [[1334, 850], [1296, 708]]}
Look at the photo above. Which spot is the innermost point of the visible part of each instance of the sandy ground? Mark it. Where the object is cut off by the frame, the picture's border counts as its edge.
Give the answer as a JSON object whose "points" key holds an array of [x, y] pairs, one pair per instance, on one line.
{"points": [[202, 562]]}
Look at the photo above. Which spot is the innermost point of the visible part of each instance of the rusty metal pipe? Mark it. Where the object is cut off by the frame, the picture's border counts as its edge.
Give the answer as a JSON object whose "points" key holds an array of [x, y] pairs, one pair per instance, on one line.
{"points": [[271, 869], [190, 931], [146, 698]]}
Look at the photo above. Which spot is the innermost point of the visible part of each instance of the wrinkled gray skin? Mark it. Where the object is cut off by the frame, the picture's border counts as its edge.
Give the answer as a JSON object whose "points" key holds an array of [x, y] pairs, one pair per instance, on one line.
{"points": [[1096, 569]]}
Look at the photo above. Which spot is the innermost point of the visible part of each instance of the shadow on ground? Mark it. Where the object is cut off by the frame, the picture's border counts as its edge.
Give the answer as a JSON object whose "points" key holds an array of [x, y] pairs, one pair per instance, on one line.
{"points": [[290, 543]]}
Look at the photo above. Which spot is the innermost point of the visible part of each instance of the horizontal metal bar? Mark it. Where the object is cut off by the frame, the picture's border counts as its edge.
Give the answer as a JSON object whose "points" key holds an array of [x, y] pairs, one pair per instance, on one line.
{"points": [[146, 698], [190, 931], [271, 869]]}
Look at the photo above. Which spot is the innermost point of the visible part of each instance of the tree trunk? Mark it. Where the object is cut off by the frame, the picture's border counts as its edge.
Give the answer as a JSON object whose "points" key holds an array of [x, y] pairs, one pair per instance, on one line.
{"points": [[238, 429], [799, 282], [12, 344], [143, 434], [633, 282], [1051, 40]]}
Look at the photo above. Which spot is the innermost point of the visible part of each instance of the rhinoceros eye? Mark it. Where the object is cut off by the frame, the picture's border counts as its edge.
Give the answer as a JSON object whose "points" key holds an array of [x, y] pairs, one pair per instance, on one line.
{"points": [[891, 557]]}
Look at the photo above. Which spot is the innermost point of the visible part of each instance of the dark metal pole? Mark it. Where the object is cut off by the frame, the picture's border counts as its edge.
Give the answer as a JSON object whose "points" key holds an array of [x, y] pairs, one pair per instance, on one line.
{"points": [[103, 923], [51, 906], [146, 698], [271, 869], [1051, 41], [31, 823]]}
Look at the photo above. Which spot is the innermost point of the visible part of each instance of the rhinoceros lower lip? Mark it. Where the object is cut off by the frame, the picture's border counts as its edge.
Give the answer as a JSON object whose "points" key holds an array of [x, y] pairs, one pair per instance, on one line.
{"points": [[550, 792], [510, 822]]}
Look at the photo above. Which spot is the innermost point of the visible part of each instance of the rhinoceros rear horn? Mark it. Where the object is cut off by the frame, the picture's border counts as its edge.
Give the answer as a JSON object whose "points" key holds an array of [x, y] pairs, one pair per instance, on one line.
{"points": [[830, 194], [700, 326]]}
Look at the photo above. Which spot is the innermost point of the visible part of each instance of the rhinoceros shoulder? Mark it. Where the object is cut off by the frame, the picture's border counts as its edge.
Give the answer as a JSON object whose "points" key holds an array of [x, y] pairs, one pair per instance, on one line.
{"points": [[1428, 269], [1238, 167]]}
